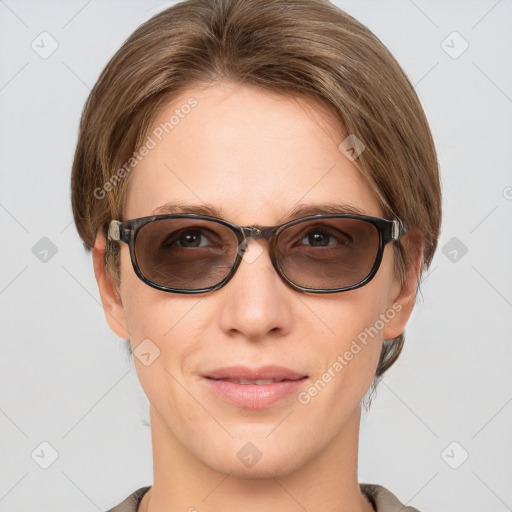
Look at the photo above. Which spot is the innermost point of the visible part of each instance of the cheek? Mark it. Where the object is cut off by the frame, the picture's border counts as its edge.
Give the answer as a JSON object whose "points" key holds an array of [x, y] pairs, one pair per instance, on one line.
{"points": [[357, 339], [162, 339], [346, 370], [350, 341], [162, 330], [141, 304], [356, 315]]}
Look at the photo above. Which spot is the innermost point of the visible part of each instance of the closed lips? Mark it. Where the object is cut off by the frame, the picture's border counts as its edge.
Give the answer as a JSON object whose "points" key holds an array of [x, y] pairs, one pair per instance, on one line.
{"points": [[254, 388], [257, 382], [269, 374]]}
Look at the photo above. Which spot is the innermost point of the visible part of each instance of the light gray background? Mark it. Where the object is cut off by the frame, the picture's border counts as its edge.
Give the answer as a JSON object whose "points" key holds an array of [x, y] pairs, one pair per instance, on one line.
{"points": [[64, 377]]}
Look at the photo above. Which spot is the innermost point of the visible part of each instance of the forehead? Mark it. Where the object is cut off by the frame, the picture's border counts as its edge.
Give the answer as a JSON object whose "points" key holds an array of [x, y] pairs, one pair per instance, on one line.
{"points": [[252, 154]]}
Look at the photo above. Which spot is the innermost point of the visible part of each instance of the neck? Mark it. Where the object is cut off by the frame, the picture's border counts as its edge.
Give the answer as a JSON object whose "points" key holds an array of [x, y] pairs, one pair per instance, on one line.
{"points": [[182, 482]]}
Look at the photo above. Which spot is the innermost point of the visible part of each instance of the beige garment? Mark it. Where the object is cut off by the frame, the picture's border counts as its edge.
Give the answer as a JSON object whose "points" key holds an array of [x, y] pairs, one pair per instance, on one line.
{"points": [[381, 499]]}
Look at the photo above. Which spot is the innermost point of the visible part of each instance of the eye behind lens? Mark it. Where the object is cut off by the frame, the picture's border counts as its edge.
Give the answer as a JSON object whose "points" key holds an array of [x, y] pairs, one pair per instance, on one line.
{"points": [[185, 254]]}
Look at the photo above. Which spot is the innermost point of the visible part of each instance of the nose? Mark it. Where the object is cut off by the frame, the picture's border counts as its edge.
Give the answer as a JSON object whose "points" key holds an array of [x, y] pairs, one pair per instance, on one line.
{"points": [[255, 302]]}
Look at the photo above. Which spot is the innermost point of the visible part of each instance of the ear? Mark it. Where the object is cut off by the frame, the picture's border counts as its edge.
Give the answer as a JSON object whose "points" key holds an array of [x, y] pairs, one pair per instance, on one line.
{"points": [[403, 296], [110, 298]]}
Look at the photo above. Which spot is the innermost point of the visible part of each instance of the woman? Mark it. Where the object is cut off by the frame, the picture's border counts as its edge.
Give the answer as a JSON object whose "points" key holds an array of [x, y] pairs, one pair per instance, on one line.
{"points": [[259, 188]]}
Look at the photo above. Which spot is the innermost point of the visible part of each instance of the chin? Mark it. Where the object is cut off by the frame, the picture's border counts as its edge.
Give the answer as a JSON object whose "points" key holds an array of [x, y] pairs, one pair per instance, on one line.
{"points": [[258, 459], [275, 465]]}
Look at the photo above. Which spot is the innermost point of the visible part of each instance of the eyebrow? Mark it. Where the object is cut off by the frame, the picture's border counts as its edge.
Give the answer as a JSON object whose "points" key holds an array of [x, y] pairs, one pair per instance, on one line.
{"points": [[300, 210]]}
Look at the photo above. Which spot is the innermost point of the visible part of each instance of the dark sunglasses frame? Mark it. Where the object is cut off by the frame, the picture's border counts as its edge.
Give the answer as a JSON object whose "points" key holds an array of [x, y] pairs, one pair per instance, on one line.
{"points": [[127, 231]]}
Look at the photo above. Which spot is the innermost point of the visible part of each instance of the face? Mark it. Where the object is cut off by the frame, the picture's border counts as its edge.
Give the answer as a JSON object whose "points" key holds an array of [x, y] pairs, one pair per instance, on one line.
{"points": [[256, 156]]}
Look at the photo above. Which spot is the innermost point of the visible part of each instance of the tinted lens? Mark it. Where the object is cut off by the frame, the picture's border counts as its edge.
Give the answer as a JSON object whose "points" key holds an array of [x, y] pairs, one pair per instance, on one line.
{"points": [[185, 253], [328, 253]]}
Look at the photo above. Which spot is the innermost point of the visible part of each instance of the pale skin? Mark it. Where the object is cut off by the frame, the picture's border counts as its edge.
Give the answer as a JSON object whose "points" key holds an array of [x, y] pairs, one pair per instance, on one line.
{"points": [[256, 155]]}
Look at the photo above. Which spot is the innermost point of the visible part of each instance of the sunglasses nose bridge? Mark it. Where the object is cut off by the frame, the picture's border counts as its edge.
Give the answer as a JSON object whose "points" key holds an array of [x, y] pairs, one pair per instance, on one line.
{"points": [[258, 232], [264, 232], [254, 232]]}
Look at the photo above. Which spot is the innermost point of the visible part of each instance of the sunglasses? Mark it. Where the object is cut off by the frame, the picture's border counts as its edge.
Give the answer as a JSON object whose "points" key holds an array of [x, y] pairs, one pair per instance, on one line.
{"points": [[192, 253]]}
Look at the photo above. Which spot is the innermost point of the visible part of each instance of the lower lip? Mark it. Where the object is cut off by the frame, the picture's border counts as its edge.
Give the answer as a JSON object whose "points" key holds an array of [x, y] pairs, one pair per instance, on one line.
{"points": [[254, 396]]}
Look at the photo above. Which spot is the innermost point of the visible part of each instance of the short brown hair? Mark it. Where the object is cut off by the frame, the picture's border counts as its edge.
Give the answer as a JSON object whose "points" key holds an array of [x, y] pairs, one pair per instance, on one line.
{"points": [[299, 47]]}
